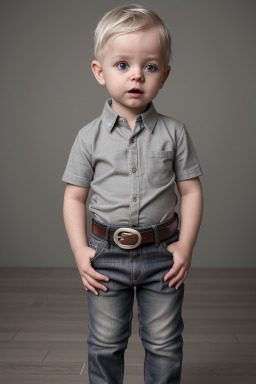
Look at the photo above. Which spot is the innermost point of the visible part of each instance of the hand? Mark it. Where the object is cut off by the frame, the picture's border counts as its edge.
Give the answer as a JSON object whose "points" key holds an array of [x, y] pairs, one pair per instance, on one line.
{"points": [[182, 256], [88, 274]]}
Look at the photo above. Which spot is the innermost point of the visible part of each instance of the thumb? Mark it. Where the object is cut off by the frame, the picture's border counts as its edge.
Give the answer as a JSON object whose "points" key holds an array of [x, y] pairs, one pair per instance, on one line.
{"points": [[171, 248]]}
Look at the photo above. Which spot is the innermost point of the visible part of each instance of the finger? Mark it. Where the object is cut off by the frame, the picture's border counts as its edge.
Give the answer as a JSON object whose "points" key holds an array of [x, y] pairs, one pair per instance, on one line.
{"points": [[96, 275], [182, 281], [92, 289], [185, 275], [86, 284], [96, 284], [173, 282], [179, 277], [172, 273], [179, 284]]}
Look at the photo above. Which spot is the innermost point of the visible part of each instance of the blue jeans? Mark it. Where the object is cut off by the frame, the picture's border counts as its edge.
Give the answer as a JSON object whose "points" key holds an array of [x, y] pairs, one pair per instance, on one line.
{"points": [[110, 313]]}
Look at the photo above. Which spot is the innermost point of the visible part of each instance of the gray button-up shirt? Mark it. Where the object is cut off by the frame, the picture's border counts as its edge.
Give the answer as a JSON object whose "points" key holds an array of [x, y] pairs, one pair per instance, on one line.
{"points": [[132, 174]]}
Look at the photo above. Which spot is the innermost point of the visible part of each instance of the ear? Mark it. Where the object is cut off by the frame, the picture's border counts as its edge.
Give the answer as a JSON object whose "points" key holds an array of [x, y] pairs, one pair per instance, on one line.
{"points": [[165, 75], [98, 71]]}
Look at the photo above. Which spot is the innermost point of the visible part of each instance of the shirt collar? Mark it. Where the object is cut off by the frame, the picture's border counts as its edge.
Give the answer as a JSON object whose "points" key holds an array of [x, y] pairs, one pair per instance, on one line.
{"points": [[109, 116]]}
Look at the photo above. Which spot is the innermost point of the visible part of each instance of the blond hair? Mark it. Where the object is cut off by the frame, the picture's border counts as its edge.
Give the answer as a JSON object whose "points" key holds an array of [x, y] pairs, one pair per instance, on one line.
{"points": [[126, 19]]}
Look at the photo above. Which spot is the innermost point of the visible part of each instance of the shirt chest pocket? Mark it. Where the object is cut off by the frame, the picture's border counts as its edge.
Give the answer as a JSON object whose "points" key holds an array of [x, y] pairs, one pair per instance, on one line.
{"points": [[159, 166]]}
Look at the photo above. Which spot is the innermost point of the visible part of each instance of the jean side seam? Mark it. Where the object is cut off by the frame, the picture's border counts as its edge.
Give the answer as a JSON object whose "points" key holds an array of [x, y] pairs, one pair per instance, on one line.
{"points": [[122, 371], [146, 367]]}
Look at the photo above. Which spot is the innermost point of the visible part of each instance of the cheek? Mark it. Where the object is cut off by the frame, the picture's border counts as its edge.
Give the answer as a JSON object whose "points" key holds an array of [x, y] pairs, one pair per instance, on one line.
{"points": [[114, 79], [115, 87], [155, 82]]}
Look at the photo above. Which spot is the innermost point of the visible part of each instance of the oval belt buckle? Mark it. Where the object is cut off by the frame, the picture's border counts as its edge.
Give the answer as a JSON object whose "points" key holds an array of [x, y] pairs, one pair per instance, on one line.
{"points": [[127, 231]]}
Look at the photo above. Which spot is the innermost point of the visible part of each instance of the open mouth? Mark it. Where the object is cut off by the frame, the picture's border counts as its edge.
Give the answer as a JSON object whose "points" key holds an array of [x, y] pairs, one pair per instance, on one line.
{"points": [[135, 90]]}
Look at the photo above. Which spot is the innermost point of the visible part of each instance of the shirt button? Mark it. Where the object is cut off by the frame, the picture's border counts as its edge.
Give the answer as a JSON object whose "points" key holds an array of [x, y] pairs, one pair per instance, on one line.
{"points": [[134, 198], [134, 170], [121, 120]]}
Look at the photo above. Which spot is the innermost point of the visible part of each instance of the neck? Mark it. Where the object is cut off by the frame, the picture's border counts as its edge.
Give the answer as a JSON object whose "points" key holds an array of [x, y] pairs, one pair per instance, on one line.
{"points": [[129, 113]]}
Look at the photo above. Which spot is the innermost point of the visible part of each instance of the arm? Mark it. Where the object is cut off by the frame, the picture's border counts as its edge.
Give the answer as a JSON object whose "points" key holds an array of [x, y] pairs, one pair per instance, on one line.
{"points": [[191, 210], [74, 214]]}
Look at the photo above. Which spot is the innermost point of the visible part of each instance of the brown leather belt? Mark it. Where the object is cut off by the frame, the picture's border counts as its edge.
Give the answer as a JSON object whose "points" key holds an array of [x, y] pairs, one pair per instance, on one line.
{"points": [[129, 237]]}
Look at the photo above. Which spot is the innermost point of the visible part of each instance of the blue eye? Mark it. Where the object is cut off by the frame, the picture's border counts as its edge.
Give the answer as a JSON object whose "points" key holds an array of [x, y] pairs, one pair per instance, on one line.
{"points": [[122, 65], [150, 68]]}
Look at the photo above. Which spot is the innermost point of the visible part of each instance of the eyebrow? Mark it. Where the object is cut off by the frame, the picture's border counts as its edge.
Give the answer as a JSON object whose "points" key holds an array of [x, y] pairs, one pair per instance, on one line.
{"points": [[122, 57], [119, 57]]}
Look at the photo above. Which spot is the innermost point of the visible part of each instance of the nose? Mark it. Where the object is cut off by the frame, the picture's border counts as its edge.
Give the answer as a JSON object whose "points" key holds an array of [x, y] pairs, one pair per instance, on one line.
{"points": [[137, 75]]}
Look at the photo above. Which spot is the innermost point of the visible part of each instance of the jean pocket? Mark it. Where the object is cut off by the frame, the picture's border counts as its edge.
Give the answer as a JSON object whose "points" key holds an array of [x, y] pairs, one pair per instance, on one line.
{"points": [[164, 246], [171, 239], [98, 245]]}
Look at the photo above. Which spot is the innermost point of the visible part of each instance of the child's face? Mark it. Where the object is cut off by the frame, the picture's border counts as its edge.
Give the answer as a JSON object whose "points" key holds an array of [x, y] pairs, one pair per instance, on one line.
{"points": [[133, 60]]}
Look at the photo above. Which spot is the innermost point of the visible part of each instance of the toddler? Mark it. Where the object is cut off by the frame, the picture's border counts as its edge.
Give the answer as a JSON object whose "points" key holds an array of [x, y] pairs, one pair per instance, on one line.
{"points": [[132, 156]]}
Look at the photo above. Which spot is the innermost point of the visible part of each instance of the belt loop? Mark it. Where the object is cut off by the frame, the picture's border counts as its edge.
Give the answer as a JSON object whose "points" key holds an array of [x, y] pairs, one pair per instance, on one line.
{"points": [[154, 226], [107, 236]]}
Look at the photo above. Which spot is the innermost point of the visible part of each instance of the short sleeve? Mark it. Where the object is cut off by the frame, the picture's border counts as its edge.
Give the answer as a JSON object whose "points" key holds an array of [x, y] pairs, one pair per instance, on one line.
{"points": [[79, 170], [186, 163]]}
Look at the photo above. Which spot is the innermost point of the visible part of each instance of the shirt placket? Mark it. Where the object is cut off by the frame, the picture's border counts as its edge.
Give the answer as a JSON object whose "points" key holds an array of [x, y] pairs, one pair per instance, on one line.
{"points": [[132, 158], [134, 181]]}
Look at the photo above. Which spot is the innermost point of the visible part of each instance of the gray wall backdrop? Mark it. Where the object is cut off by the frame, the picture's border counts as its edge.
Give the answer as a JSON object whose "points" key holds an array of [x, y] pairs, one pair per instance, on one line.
{"points": [[48, 93]]}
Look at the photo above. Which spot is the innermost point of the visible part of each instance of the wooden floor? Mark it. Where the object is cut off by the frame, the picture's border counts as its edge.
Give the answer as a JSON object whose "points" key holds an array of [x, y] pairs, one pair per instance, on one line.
{"points": [[43, 328]]}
